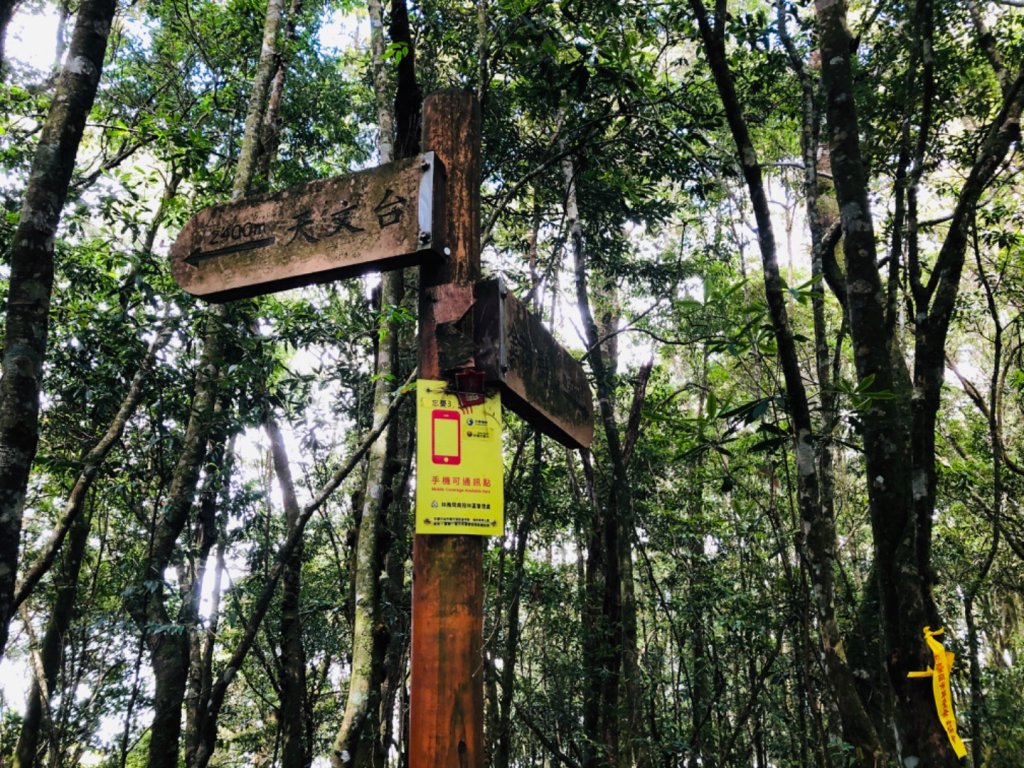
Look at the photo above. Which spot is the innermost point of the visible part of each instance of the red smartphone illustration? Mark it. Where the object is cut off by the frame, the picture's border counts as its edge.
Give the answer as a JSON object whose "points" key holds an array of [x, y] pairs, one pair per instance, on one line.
{"points": [[446, 438]]}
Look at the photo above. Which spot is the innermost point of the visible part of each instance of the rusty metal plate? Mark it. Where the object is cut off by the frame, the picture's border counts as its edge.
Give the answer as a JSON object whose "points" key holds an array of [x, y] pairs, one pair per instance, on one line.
{"points": [[541, 382], [382, 218]]}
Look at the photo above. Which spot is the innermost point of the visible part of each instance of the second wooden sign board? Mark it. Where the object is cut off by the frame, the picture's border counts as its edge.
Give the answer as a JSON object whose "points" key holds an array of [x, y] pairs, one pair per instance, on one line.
{"points": [[541, 381]]}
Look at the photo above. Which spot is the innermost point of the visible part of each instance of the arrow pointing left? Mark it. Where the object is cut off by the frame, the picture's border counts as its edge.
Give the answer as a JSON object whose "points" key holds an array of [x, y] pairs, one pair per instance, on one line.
{"points": [[197, 257]]}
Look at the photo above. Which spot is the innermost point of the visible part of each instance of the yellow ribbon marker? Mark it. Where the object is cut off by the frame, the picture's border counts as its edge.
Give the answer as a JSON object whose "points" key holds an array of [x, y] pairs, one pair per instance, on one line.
{"points": [[940, 688]]}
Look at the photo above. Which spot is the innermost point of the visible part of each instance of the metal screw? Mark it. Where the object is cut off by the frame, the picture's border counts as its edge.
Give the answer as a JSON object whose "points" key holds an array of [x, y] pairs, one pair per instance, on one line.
{"points": [[447, 251]]}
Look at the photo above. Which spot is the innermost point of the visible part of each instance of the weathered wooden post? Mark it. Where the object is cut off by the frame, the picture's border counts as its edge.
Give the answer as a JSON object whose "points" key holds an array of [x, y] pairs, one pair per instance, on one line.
{"points": [[446, 699]]}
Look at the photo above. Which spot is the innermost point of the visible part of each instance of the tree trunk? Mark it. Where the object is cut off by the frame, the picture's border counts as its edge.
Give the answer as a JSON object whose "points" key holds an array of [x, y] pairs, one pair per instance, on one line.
{"points": [[270, 132], [702, 741], [124, 745], [994, 415], [818, 538], [503, 735], [248, 157], [200, 679], [167, 636], [92, 464], [604, 639], [294, 715], [31, 282], [218, 692], [7, 8], [75, 527], [396, 594], [66, 583], [899, 433], [206, 534], [358, 742]]}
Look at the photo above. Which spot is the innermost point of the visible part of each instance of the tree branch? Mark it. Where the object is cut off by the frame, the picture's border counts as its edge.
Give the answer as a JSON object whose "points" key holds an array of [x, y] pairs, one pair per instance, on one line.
{"points": [[90, 468], [979, 402]]}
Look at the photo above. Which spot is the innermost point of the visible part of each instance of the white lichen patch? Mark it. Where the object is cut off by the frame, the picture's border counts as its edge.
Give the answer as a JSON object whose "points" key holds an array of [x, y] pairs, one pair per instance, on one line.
{"points": [[82, 66], [920, 484]]}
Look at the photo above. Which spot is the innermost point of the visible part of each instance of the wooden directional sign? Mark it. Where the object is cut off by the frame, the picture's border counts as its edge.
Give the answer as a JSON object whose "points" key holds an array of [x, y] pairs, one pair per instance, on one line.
{"points": [[541, 381], [383, 218]]}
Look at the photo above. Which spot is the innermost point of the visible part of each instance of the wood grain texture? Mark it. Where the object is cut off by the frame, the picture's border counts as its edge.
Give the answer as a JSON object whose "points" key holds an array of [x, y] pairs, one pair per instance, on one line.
{"points": [[446, 697], [381, 218]]}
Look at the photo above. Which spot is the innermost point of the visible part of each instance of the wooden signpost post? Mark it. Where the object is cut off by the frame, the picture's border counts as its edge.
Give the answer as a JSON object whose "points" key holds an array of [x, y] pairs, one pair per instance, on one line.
{"points": [[422, 211]]}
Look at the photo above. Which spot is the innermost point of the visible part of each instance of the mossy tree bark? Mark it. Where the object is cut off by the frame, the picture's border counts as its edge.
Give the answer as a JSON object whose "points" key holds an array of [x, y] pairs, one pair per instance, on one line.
{"points": [[899, 431], [31, 281], [358, 741], [817, 536], [166, 635]]}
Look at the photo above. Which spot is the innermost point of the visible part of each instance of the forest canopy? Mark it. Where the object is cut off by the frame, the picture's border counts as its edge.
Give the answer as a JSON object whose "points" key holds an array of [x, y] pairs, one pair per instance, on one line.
{"points": [[783, 238]]}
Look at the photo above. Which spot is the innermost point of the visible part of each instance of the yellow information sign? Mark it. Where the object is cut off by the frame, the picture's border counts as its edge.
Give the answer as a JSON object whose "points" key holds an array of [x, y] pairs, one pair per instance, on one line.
{"points": [[459, 473], [940, 688]]}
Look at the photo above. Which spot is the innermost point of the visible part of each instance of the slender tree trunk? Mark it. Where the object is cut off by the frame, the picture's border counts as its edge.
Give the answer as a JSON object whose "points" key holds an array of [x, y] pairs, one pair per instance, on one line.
{"points": [[636, 752], [208, 732], [899, 433], [270, 133], [31, 282], [124, 744], [604, 639], [408, 99], [396, 595], [200, 678], [66, 582], [166, 636], [358, 742], [994, 411], [702, 754], [75, 527], [7, 8], [503, 735], [248, 157], [92, 464], [205, 536], [818, 531], [294, 715]]}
